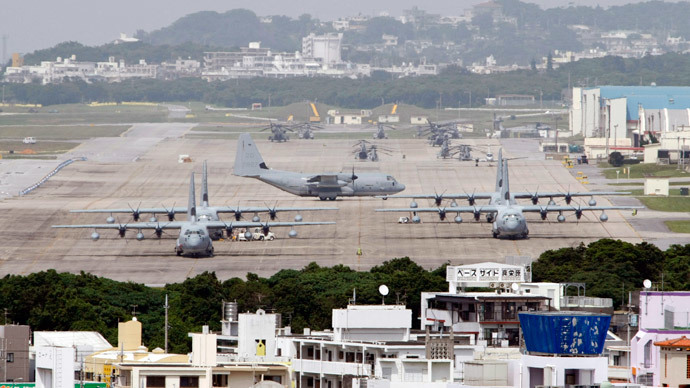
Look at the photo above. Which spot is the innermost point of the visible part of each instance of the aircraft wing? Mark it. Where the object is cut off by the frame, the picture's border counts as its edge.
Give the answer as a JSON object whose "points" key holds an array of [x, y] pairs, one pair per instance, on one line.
{"points": [[442, 196], [266, 209], [131, 225], [243, 224], [557, 194], [153, 210], [455, 209], [180, 224], [326, 181], [559, 208]]}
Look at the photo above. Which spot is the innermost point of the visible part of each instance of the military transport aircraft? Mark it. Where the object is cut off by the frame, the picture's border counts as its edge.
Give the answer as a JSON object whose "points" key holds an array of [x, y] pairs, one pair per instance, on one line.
{"points": [[504, 211], [194, 238], [205, 212], [329, 185]]}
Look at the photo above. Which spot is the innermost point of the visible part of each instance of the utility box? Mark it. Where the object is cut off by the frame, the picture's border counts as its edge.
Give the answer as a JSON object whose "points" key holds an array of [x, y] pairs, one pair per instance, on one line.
{"points": [[656, 186]]}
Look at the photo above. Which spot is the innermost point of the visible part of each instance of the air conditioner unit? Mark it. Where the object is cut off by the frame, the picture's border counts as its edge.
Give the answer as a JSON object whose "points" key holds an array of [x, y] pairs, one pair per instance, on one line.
{"points": [[492, 285]]}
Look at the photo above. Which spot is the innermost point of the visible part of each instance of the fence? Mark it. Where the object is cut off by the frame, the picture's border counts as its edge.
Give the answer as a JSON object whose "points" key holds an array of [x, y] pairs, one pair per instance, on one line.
{"points": [[50, 175]]}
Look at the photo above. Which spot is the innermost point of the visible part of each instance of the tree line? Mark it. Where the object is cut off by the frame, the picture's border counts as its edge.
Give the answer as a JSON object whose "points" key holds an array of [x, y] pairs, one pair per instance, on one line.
{"points": [[453, 87], [60, 301]]}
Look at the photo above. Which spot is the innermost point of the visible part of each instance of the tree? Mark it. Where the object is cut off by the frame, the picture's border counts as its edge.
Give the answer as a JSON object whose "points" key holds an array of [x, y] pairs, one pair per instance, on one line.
{"points": [[616, 159]]}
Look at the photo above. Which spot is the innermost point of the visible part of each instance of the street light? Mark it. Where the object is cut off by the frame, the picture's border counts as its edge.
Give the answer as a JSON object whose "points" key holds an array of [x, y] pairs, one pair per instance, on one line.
{"points": [[617, 172]]}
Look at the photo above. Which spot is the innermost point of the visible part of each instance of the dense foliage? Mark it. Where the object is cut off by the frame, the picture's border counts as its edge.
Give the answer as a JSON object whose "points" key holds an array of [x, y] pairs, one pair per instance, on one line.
{"points": [[52, 301], [452, 86], [611, 268]]}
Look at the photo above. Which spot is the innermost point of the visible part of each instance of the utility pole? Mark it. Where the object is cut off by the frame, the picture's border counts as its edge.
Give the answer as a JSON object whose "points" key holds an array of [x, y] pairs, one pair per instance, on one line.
{"points": [[166, 306]]}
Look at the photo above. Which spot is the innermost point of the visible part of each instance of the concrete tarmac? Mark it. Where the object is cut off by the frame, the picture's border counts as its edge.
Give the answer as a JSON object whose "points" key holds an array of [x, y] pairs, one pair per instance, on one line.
{"points": [[148, 173]]}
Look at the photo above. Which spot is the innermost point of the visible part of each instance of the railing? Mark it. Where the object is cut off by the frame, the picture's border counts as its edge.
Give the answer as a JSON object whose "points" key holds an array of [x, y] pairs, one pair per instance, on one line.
{"points": [[50, 175], [331, 367], [585, 301]]}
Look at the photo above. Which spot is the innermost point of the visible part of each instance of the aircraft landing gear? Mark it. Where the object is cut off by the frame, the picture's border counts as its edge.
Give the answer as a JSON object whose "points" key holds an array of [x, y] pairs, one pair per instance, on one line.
{"points": [[495, 234]]}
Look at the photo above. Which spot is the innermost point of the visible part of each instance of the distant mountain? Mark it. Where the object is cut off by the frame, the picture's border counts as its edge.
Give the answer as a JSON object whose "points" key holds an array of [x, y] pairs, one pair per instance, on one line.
{"points": [[234, 28]]}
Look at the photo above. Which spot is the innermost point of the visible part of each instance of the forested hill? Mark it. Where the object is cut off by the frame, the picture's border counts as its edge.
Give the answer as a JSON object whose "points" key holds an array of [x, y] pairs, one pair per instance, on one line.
{"points": [[237, 27]]}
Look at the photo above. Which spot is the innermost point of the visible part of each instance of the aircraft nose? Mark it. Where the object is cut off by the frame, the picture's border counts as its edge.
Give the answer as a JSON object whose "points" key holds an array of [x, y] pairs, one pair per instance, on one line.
{"points": [[401, 187], [512, 224]]}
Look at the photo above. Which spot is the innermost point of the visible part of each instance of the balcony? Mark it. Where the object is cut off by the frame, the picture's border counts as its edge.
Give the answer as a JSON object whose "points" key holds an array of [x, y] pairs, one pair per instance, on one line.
{"points": [[331, 367]]}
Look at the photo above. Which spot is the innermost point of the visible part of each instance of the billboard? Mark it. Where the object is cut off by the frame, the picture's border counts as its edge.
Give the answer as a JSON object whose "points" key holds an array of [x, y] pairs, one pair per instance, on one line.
{"points": [[567, 333]]}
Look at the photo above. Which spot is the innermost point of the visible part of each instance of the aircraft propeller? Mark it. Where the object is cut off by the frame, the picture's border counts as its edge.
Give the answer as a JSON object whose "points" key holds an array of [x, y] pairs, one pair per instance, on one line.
{"points": [[272, 213], [438, 198], [353, 177], [135, 213], [170, 212], [442, 214]]}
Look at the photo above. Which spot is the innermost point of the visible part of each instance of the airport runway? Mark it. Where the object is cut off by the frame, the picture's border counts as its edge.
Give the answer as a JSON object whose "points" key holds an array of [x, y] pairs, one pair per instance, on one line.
{"points": [[141, 170]]}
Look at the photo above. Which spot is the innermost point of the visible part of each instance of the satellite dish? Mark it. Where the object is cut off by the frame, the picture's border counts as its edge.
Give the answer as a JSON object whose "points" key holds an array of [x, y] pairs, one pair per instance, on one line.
{"points": [[383, 289], [647, 283], [515, 287]]}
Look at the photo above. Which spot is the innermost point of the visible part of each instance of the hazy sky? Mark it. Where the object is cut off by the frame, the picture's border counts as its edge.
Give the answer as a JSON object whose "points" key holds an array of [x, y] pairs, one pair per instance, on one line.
{"points": [[34, 24]]}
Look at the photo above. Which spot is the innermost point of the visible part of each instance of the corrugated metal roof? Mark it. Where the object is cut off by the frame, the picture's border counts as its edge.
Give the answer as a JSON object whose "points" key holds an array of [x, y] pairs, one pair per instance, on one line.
{"points": [[650, 97]]}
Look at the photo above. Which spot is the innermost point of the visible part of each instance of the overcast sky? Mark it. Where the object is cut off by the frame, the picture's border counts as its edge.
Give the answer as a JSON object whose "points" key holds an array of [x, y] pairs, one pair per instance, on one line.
{"points": [[34, 24]]}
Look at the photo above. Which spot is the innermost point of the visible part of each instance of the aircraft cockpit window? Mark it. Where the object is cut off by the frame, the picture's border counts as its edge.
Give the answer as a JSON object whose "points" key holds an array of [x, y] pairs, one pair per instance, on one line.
{"points": [[389, 178]]}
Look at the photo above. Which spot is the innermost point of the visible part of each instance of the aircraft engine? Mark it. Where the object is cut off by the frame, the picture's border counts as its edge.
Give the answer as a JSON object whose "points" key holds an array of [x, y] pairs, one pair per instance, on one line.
{"points": [[292, 233], [265, 229], [413, 205], [228, 231], [442, 214], [273, 214], [568, 198], [153, 219], [561, 218], [578, 213], [458, 219], [256, 218], [471, 200], [158, 231], [121, 230], [476, 214], [238, 215], [298, 218], [489, 218], [543, 213], [603, 217], [535, 199], [171, 216], [95, 236], [248, 235], [110, 220], [416, 219], [592, 202], [140, 236]]}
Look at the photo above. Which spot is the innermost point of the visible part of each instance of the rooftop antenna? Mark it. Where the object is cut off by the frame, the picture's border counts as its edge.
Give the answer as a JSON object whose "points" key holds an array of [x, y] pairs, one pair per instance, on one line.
{"points": [[166, 307], [353, 300], [383, 290], [134, 310]]}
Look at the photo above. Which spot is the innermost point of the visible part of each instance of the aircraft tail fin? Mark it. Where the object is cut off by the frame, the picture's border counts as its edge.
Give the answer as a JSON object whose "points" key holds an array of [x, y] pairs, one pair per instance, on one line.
{"points": [[204, 185], [499, 170], [191, 206], [505, 189], [248, 160]]}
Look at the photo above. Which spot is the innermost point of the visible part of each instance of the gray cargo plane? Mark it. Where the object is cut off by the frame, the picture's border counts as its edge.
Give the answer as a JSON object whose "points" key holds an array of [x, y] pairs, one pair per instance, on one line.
{"points": [[504, 211], [249, 163], [194, 238], [205, 212]]}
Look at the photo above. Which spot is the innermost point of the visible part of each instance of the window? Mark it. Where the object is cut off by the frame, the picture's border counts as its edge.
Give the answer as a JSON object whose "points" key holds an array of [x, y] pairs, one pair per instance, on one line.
{"points": [[189, 381], [220, 380], [687, 366], [155, 381], [10, 357]]}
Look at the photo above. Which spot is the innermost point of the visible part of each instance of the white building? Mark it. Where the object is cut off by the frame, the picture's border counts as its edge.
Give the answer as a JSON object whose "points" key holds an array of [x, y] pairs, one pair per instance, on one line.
{"points": [[323, 47], [55, 367], [663, 316]]}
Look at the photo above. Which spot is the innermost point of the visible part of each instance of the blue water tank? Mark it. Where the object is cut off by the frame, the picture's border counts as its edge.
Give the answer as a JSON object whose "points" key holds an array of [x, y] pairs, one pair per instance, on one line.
{"points": [[564, 332]]}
